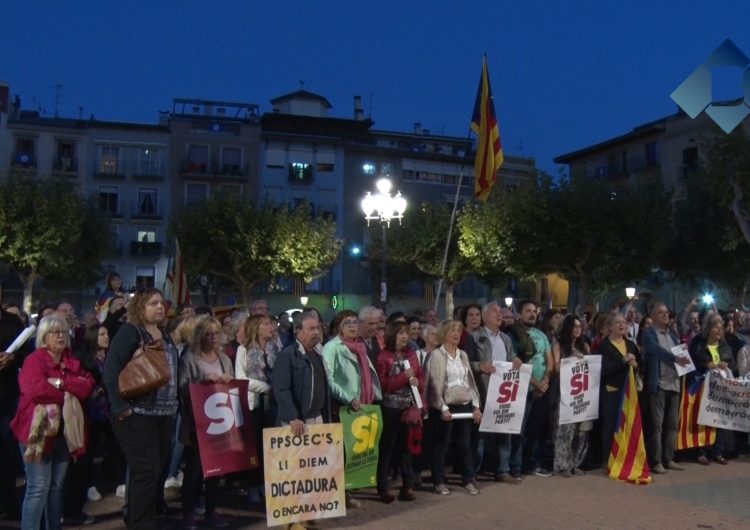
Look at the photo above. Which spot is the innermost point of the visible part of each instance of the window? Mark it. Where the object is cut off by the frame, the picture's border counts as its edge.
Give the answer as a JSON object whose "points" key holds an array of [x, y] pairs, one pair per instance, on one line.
{"points": [[231, 160], [25, 149], [300, 172], [109, 160], [147, 201], [689, 161], [651, 154], [197, 159], [108, 196], [149, 162], [322, 166], [368, 168], [233, 190], [144, 277], [146, 236], [65, 156], [195, 193], [386, 169]]}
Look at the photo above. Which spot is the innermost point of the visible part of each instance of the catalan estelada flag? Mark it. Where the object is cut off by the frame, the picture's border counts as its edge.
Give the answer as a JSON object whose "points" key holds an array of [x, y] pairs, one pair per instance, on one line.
{"points": [[177, 287], [489, 148], [690, 434], [627, 460]]}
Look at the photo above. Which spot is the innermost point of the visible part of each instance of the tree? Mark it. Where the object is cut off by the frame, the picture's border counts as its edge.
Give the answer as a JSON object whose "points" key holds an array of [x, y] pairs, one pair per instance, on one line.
{"points": [[420, 242], [48, 230], [246, 245]]}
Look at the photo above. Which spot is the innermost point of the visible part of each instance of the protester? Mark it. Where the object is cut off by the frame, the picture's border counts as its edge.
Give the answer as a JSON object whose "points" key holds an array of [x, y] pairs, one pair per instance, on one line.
{"points": [[115, 316], [202, 362], [10, 328], [112, 287], [144, 424], [664, 389], [398, 370], [571, 440], [710, 351], [259, 307], [299, 382], [452, 390], [619, 356], [533, 347], [415, 333], [369, 317], [422, 461], [351, 376], [47, 376], [494, 346], [254, 363], [509, 319]]}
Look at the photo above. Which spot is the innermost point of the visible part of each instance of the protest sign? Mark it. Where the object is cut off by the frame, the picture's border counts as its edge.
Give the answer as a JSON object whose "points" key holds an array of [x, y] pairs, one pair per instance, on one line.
{"points": [[304, 475], [362, 431], [579, 388], [506, 399], [681, 352], [725, 402], [226, 440]]}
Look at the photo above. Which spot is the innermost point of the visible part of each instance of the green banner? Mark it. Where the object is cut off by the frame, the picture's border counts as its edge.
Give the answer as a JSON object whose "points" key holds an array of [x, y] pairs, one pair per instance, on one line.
{"points": [[361, 437]]}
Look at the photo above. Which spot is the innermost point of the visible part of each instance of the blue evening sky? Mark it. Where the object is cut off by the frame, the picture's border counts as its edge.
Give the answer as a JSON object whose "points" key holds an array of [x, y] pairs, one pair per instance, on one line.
{"points": [[564, 74]]}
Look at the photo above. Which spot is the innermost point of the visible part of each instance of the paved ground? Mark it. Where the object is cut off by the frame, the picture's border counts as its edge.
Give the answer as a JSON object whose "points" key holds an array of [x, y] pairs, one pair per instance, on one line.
{"points": [[700, 497]]}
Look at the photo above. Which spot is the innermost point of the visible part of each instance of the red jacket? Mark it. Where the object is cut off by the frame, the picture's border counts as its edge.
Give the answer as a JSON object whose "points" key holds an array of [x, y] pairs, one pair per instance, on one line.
{"points": [[36, 390], [389, 383]]}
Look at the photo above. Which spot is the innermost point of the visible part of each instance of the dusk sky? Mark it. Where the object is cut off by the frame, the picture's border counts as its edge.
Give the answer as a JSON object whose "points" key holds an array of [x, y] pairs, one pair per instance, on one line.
{"points": [[564, 74]]}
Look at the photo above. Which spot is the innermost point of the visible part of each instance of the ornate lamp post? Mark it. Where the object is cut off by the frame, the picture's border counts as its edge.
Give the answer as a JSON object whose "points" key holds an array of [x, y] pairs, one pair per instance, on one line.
{"points": [[383, 207]]}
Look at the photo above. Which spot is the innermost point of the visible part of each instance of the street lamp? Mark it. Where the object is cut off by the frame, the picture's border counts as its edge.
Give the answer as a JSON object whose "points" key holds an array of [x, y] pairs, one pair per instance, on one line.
{"points": [[630, 292], [303, 300], [383, 207], [508, 301]]}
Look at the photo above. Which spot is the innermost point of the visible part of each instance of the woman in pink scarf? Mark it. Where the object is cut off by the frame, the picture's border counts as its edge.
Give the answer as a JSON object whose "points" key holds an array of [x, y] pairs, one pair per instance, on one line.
{"points": [[351, 375]]}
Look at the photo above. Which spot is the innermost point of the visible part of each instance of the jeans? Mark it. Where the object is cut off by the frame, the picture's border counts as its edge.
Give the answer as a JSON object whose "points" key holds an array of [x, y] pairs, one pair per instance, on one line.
{"points": [[665, 410], [507, 455], [534, 431], [146, 442], [444, 430], [177, 448], [44, 488]]}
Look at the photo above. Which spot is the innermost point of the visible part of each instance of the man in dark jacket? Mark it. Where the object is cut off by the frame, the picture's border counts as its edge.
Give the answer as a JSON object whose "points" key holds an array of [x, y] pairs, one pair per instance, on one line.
{"points": [[300, 384], [664, 388], [10, 328]]}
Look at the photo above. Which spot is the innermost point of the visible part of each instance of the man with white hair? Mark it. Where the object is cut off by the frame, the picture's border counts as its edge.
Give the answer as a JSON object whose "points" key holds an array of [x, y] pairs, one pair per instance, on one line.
{"points": [[494, 346], [369, 317]]}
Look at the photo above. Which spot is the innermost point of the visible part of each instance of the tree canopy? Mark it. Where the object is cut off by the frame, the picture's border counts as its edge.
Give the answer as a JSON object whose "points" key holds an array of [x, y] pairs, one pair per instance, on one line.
{"points": [[48, 230], [245, 245]]}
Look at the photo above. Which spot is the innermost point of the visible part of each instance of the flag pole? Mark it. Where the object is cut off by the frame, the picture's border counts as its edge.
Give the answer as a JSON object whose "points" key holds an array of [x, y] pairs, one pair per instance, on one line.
{"points": [[450, 225]]}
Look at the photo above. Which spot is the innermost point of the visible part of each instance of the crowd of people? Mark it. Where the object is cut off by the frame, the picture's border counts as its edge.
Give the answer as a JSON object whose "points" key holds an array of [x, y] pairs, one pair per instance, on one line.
{"points": [[303, 371]]}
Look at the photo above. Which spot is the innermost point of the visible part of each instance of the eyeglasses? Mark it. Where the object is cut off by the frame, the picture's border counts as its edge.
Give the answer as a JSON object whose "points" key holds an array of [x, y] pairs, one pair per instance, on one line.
{"points": [[350, 322], [57, 332]]}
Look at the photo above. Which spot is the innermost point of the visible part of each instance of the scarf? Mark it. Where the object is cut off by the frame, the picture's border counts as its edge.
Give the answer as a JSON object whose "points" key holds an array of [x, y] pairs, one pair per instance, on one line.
{"points": [[357, 347]]}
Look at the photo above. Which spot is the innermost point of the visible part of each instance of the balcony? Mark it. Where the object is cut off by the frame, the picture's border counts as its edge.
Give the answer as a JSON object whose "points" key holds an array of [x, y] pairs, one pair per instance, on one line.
{"points": [[144, 212], [193, 167], [149, 170], [24, 161], [108, 168], [67, 167], [215, 170], [145, 249]]}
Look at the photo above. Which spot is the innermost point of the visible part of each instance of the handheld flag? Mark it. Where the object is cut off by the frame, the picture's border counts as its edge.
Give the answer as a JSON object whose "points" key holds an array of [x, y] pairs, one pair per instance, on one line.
{"points": [[177, 289], [689, 433], [627, 459], [489, 156]]}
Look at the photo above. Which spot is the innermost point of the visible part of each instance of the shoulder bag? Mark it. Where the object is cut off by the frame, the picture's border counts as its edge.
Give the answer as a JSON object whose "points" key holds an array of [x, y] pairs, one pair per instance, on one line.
{"points": [[146, 371]]}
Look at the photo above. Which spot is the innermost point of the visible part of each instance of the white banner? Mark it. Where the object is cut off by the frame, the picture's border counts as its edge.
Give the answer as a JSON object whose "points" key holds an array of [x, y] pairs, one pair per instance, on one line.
{"points": [[506, 399], [725, 402], [579, 388]]}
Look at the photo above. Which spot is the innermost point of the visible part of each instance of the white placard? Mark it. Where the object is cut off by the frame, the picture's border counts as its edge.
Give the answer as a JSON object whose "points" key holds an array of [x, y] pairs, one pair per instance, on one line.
{"points": [[579, 388], [414, 388], [21, 339], [506, 399], [725, 402], [681, 351]]}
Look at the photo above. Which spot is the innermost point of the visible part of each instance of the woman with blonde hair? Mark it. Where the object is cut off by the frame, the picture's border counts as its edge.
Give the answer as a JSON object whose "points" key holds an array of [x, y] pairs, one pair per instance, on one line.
{"points": [[452, 390], [47, 375], [254, 363], [202, 362]]}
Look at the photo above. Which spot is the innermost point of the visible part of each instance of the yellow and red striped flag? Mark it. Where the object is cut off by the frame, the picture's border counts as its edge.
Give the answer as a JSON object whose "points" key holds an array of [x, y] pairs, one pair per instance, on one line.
{"points": [[689, 433], [489, 148], [177, 287], [627, 460]]}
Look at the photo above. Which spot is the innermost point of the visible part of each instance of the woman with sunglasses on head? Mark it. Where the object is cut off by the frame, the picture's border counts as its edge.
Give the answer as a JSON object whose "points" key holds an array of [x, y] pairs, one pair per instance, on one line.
{"points": [[351, 376], [143, 424], [202, 362]]}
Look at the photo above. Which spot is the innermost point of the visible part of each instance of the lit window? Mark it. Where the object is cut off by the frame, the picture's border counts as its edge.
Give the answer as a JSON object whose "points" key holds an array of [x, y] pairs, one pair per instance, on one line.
{"points": [[368, 168]]}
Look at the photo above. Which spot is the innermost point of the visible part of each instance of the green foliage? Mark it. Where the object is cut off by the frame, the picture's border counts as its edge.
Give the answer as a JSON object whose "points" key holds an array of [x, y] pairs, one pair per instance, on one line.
{"points": [[246, 245], [49, 230]]}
